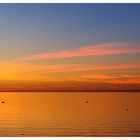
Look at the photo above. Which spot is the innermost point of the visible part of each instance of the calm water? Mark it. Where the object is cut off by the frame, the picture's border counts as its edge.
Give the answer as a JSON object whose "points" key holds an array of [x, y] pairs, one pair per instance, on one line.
{"points": [[70, 114]]}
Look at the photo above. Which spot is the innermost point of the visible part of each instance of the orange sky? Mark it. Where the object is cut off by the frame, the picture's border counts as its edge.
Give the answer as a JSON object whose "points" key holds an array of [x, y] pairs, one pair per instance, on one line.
{"points": [[67, 71], [69, 47]]}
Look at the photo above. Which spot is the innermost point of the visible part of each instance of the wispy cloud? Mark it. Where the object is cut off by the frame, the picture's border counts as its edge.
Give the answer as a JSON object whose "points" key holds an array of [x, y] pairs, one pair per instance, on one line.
{"points": [[98, 49], [61, 68], [73, 76], [60, 71], [109, 78]]}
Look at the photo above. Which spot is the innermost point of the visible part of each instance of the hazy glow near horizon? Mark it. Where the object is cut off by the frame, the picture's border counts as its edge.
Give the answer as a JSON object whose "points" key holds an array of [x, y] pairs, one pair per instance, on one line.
{"points": [[81, 47]]}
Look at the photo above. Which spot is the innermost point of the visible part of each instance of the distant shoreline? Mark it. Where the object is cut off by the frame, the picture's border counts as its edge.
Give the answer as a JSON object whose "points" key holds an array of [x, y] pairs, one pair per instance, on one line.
{"points": [[69, 91]]}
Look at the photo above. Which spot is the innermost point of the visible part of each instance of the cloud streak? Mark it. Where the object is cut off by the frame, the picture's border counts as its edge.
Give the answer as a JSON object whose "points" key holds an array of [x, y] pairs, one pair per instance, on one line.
{"points": [[109, 78], [19, 75], [93, 50], [58, 72]]}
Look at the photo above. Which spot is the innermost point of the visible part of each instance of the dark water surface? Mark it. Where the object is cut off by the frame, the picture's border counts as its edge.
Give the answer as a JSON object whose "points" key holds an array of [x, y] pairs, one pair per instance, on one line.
{"points": [[70, 114]]}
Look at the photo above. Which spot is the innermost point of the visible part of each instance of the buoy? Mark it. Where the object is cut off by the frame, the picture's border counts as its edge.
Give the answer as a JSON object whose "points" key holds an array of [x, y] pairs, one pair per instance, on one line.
{"points": [[22, 134]]}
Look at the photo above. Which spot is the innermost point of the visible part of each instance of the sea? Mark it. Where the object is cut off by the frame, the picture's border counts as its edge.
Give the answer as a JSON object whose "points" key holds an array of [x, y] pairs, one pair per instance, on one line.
{"points": [[84, 114]]}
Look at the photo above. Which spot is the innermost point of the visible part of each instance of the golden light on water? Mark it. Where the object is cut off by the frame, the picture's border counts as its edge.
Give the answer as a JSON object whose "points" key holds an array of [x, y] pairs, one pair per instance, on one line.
{"points": [[57, 114]]}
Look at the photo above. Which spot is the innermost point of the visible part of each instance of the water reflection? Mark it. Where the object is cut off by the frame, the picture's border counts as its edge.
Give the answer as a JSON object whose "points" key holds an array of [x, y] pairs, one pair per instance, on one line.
{"points": [[70, 114]]}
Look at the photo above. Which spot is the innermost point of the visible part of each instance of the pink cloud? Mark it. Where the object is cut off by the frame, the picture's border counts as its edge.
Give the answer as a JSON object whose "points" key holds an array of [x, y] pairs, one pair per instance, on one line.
{"points": [[57, 68], [98, 49]]}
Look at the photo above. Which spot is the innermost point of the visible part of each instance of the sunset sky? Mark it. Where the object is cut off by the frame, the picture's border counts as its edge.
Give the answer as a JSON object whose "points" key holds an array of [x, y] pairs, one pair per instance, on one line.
{"points": [[69, 47]]}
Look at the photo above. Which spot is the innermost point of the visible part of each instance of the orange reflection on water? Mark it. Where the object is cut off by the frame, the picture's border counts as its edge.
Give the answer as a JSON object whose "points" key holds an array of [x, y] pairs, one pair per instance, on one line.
{"points": [[70, 114]]}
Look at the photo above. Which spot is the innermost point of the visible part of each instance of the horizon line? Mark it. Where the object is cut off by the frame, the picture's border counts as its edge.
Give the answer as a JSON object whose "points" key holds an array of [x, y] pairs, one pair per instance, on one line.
{"points": [[78, 91]]}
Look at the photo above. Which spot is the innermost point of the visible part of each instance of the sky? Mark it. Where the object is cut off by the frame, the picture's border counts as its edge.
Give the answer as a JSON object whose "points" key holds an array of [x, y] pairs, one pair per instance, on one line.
{"points": [[69, 47]]}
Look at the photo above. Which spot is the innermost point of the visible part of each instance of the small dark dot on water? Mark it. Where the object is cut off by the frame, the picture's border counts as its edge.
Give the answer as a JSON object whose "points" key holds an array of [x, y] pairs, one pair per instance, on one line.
{"points": [[22, 134], [127, 109], [86, 101], [2, 102]]}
